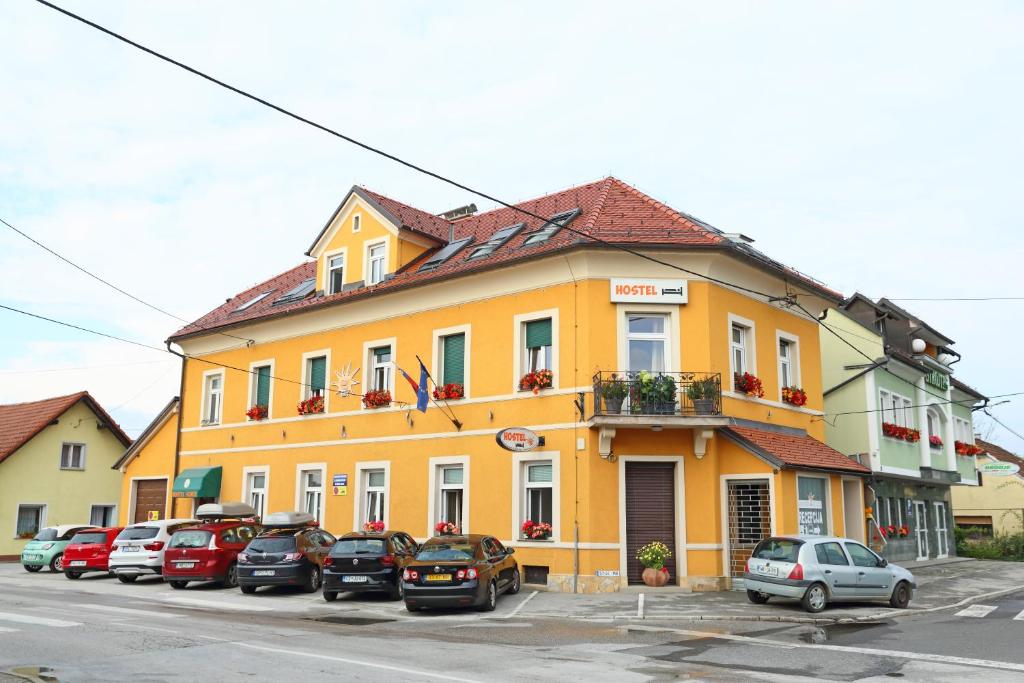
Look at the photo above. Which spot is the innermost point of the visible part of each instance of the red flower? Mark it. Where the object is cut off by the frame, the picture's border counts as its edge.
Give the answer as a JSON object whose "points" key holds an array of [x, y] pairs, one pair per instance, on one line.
{"points": [[451, 391], [536, 530], [541, 379], [257, 413], [374, 527], [312, 405], [377, 398], [447, 528], [748, 384], [794, 396]]}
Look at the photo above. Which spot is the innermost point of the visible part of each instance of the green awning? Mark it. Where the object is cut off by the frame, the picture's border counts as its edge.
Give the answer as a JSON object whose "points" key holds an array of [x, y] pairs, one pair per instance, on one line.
{"points": [[198, 482]]}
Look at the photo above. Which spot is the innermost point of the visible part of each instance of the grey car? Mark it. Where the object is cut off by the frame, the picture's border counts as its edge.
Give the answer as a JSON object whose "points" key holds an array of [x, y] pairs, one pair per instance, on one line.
{"points": [[818, 570]]}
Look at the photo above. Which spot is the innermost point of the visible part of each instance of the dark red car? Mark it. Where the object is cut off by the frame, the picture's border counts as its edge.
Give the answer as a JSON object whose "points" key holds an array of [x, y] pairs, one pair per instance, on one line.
{"points": [[89, 551], [209, 552]]}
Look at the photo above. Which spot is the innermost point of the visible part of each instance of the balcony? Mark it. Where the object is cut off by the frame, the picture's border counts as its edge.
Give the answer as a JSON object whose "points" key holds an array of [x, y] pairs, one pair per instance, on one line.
{"points": [[658, 399]]}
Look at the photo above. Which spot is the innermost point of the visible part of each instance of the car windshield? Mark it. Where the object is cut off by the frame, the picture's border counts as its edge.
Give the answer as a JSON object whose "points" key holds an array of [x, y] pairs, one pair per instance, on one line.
{"points": [[446, 551], [271, 544], [138, 533], [358, 546], [46, 535], [778, 549], [190, 539], [89, 537]]}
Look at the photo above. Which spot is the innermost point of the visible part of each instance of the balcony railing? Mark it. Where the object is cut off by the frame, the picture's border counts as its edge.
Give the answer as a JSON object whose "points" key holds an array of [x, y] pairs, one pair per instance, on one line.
{"points": [[657, 393]]}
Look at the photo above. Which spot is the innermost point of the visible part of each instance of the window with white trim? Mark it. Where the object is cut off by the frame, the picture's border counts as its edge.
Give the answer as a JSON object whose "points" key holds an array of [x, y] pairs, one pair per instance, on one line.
{"points": [[376, 254], [450, 494], [72, 456], [312, 492], [30, 520], [896, 409], [787, 361], [538, 494], [335, 273], [101, 515], [256, 487], [316, 376], [357, 221], [213, 391], [647, 342], [381, 368], [962, 430], [934, 423], [537, 345], [739, 347], [261, 376], [374, 484]]}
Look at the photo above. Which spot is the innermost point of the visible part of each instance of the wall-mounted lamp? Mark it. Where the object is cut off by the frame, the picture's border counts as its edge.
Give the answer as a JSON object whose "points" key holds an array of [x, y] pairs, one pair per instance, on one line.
{"points": [[918, 345]]}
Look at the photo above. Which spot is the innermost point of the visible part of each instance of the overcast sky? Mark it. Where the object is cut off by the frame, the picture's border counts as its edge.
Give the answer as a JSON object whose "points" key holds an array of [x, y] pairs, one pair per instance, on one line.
{"points": [[876, 146]]}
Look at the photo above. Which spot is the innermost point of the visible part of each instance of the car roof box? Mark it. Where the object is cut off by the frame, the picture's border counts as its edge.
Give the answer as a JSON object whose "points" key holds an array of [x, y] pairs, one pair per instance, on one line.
{"points": [[289, 519], [211, 511]]}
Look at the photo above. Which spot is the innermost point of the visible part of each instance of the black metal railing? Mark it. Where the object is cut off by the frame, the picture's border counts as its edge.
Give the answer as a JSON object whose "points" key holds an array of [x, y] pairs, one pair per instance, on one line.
{"points": [[657, 393]]}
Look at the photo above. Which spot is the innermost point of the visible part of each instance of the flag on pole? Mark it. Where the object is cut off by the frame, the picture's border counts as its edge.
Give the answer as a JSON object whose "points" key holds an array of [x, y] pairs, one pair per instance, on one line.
{"points": [[422, 398]]}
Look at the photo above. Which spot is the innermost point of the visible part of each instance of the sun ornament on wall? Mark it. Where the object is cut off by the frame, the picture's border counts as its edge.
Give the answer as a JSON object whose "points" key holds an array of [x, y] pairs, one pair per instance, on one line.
{"points": [[346, 381]]}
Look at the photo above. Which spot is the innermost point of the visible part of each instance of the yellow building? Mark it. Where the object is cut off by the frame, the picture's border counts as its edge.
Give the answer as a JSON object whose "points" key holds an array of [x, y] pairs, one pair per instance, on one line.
{"points": [[147, 467], [996, 503], [646, 434], [55, 458]]}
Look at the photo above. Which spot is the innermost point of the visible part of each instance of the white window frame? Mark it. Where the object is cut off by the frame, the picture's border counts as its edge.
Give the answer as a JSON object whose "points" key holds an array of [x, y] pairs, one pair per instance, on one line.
{"points": [[827, 503], [962, 430], [368, 245], [435, 483], [305, 391], [113, 511], [334, 253], [42, 515], [247, 473], [896, 409], [519, 463], [749, 347], [253, 385], [519, 349], [672, 357], [81, 460], [664, 337], [357, 222], [437, 353], [358, 503], [369, 363], [204, 404], [300, 487], [794, 358]]}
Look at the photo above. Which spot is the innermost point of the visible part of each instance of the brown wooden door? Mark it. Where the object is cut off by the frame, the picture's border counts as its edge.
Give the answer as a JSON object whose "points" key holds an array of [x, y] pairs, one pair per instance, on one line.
{"points": [[650, 512], [150, 495]]}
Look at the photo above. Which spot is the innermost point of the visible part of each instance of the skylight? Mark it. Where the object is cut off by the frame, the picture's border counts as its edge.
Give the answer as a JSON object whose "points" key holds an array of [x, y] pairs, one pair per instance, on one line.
{"points": [[255, 300], [297, 293], [445, 254], [551, 227], [496, 240]]}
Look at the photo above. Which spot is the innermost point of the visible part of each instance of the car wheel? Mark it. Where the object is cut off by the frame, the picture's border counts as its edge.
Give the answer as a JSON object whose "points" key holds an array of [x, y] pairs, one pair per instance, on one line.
{"points": [[491, 601], [313, 582], [815, 598], [127, 578], [32, 567], [73, 575], [516, 583], [231, 578], [330, 596], [900, 596], [57, 563], [398, 590], [248, 590], [757, 597], [178, 585]]}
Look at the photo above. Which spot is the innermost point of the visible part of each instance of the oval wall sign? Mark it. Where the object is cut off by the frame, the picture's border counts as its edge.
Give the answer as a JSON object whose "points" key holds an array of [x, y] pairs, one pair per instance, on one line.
{"points": [[999, 469], [518, 439]]}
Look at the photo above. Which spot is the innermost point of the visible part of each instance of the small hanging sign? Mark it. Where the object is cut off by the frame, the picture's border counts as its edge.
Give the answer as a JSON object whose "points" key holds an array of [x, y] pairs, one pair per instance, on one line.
{"points": [[518, 439]]}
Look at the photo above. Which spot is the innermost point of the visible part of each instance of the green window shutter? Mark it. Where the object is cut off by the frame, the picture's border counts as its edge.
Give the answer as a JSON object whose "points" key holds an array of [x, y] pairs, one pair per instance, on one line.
{"points": [[454, 369], [318, 373], [538, 333], [263, 386]]}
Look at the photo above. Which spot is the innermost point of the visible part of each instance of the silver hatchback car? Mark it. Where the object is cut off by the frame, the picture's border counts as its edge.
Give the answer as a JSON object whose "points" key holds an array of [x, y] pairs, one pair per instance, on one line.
{"points": [[820, 569]]}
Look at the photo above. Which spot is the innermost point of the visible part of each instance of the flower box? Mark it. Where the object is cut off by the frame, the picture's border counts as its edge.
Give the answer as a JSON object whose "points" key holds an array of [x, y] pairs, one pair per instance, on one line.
{"points": [[536, 531], [535, 381], [967, 449], [311, 406], [794, 396], [377, 398], [257, 413], [450, 392], [935, 441], [901, 433], [444, 528], [748, 384]]}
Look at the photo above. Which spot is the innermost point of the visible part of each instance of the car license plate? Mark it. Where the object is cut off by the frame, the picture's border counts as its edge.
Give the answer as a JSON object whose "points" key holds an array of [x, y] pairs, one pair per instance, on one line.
{"points": [[354, 579], [768, 570], [264, 572], [185, 565], [33, 558], [77, 563], [439, 577], [131, 548]]}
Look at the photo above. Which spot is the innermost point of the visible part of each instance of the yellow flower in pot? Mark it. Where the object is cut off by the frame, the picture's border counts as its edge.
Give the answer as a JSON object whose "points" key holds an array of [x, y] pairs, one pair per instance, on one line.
{"points": [[652, 556]]}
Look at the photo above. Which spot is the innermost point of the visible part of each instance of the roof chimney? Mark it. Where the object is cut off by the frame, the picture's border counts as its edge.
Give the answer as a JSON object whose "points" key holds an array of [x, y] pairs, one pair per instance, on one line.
{"points": [[459, 213]]}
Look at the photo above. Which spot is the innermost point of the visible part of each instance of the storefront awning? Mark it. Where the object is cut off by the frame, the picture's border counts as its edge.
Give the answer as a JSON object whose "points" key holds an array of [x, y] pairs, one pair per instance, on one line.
{"points": [[792, 449], [198, 482]]}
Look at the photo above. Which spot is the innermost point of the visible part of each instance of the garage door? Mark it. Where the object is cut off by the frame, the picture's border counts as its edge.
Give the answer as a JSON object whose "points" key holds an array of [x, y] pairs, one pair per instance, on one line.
{"points": [[650, 512], [150, 496]]}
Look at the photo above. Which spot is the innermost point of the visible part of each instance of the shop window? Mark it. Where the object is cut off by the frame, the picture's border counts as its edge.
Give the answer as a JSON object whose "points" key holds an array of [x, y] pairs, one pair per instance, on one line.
{"points": [[72, 456], [812, 510]]}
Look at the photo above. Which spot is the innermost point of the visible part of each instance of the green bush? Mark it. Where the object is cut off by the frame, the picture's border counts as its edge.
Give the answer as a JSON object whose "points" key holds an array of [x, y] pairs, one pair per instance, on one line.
{"points": [[999, 547]]}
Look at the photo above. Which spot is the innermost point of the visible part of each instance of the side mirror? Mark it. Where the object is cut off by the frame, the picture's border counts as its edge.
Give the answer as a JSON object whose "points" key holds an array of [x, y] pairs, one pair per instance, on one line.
{"points": [[510, 551], [882, 562]]}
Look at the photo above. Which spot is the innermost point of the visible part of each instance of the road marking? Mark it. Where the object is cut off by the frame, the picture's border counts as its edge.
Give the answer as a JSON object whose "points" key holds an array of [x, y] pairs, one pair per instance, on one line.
{"points": [[151, 628], [977, 611], [640, 606], [917, 656], [357, 662], [8, 630], [1019, 617], [519, 606], [38, 621], [126, 610], [211, 604]]}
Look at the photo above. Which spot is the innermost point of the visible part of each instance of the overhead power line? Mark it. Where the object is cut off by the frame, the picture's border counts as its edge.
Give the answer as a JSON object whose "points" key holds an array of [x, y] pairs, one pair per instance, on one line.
{"points": [[921, 405], [1004, 425]]}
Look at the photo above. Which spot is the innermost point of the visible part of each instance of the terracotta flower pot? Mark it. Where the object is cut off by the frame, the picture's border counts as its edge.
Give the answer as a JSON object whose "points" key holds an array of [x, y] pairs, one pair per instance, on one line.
{"points": [[655, 578]]}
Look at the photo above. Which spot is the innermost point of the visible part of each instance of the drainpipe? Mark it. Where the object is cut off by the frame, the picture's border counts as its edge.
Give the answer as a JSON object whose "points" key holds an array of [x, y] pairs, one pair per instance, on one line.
{"points": [[576, 556], [177, 436]]}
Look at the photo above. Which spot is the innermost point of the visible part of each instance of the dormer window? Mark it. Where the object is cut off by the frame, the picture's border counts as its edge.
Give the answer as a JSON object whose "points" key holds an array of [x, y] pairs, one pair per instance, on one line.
{"points": [[255, 300], [375, 258], [335, 273], [497, 239], [554, 224]]}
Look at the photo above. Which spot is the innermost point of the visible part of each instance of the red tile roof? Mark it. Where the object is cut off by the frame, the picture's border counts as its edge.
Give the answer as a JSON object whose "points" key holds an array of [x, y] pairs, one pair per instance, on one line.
{"points": [[794, 451], [609, 210], [1000, 453], [20, 422]]}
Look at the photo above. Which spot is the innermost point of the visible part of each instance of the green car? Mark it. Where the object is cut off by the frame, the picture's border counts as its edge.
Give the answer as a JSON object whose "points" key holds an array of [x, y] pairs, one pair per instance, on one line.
{"points": [[47, 547]]}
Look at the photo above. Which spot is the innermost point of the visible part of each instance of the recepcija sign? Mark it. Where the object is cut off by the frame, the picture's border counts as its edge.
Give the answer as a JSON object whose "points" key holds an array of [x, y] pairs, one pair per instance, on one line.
{"points": [[999, 469], [632, 290], [811, 517], [518, 439]]}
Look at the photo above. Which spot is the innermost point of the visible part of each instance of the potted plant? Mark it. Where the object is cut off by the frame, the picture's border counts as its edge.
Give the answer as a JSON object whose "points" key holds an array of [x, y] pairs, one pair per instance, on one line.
{"points": [[377, 398], [373, 527], [703, 394], [536, 531], [444, 528], [537, 380], [656, 394], [450, 392], [748, 384], [311, 406], [613, 391], [934, 441], [257, 413], [795, 396], [652, 556]]}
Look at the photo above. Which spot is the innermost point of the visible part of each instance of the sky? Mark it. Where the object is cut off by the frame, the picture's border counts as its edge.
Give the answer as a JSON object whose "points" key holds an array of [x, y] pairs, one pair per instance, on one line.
{"points": [[875, 146]]}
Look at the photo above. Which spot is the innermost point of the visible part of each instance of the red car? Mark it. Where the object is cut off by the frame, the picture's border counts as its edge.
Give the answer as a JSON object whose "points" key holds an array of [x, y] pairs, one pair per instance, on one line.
{"points": [[209, 551], [89, 551]]}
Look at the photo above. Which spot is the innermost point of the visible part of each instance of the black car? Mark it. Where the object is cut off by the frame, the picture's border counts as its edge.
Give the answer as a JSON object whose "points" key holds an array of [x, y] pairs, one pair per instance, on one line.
{"points": [[361, 562], [288, 556], [460, 571]]}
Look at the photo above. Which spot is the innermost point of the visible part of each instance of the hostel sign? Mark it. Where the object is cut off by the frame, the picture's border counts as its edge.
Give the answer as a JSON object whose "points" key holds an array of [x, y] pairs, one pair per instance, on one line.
{"points": [[518, 439], [648, 290]]}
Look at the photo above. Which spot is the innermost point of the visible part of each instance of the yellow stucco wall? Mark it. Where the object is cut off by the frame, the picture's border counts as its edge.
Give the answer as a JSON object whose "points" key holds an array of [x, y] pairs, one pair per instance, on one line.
{"points": [[32, 475], [1001, 498], [154, 460]]}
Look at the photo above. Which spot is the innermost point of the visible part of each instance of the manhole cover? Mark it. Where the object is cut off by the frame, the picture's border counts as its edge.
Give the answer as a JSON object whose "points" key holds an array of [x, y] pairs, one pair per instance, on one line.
{"points": [[353, 621]]}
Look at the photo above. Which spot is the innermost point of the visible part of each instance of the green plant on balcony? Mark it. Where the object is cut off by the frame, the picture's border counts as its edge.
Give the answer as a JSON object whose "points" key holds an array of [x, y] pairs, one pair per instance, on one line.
{"points": [[704, 393], [614, 391], [655, 394]]}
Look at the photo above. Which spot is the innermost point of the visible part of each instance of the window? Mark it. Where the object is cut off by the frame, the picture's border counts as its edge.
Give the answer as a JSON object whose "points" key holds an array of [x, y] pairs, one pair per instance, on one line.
{"points": [[72, 456], [380, 368], [831, 553], [812, 514], [896, 409], [101, 515], [496, 240], [30, 520], [444, 254], [261, 387], [357, 222], [453, 359], [537, 342], [934, 424], [538, 493], [213, 390], [255, 300], [298, 292], [646, 342], [551, 227], [312, 493], [740, 338], [373, 508], [962, 430], [897, 512], [375, 257], [316, 376], [862, 557], [451, 488], [335, 274], [256, 486], [787, 360]]}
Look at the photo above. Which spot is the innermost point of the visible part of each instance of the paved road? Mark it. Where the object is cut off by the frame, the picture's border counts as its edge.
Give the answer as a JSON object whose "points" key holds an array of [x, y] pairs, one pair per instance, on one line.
{"points": [[97, 629]]}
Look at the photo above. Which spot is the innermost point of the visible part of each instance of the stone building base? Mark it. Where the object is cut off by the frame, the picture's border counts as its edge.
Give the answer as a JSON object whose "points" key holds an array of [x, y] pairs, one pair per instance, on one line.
{"points": [[562, 583]]}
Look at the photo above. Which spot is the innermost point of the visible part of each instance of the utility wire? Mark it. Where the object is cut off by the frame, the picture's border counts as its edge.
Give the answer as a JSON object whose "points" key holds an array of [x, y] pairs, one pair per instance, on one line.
{"points": [[1004, 426], [922, 405]]}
